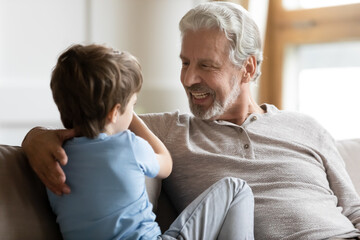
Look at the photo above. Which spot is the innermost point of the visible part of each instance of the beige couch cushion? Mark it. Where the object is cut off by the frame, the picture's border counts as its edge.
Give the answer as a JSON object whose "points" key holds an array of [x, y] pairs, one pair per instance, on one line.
{"points": [[350, 151], [24, 210]]}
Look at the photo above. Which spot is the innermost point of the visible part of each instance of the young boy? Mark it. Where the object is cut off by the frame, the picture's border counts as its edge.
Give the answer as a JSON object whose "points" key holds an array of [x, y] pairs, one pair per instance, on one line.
{"points": [[95, 89]]}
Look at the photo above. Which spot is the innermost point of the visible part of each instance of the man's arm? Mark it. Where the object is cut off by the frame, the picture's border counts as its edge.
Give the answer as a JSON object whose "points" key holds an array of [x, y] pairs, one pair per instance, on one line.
{"points": [[43, 148], [339, 179], [342, 186]]}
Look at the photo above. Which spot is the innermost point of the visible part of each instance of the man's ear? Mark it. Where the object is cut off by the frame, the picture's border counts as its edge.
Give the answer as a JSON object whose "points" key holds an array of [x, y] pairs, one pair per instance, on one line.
{"points": [[113, 114], [250, 68]]}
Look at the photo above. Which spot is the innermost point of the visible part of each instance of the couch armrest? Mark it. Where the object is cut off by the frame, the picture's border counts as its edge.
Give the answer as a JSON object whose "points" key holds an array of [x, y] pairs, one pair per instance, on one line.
{"points": [[25, 212]]}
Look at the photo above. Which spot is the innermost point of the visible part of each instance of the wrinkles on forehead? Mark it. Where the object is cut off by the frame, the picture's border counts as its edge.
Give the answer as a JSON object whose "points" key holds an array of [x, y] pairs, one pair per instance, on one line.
{"points": [[205, 45]]}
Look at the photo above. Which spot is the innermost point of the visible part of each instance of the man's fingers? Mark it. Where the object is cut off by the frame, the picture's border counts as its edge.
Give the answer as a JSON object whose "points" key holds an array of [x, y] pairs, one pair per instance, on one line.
{"points": [[51, 174], [58, 152], [51, 187], [60, 178], [60, 155], [47, 182], [54, 178], [44, 150], [65, 134]]}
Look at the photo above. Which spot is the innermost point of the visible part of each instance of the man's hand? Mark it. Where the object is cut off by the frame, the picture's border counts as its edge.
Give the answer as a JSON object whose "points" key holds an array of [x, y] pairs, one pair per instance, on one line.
{"points": [[44, 150]]}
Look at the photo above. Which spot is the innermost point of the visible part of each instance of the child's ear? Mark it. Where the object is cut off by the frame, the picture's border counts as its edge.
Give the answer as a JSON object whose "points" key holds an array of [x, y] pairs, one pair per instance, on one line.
{"points": [[114, 112]]}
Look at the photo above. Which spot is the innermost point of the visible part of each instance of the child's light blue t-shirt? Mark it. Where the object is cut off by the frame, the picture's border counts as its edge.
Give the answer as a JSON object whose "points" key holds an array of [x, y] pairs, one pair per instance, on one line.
{"points": [[108, 198]]}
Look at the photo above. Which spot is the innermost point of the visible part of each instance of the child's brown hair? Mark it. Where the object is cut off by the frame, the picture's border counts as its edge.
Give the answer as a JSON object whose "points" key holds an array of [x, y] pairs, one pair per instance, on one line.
{"points": [[88, 81]]}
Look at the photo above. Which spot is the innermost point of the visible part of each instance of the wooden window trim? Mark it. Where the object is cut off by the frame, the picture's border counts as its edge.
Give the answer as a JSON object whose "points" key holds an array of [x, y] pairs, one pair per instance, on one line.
{"points": [[319, 25]]}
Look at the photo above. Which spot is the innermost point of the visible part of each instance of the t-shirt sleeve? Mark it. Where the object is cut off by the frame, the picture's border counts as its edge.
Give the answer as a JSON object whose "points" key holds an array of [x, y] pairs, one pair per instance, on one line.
{"points": [[159, 123], [145, 156]]}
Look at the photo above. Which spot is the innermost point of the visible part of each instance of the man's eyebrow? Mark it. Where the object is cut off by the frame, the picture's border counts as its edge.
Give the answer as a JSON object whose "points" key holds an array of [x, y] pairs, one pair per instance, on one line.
{"points": [[200, 60], [206, 60]]}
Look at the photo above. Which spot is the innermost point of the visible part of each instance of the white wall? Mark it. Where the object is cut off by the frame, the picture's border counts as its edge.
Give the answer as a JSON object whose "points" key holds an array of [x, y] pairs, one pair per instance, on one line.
{"points": [[33, 33], [149, 30]]}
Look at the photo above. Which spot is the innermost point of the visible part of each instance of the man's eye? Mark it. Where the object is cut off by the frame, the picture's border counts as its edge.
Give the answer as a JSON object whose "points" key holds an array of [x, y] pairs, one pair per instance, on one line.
{"points": [[205, 65], [185, 64]]}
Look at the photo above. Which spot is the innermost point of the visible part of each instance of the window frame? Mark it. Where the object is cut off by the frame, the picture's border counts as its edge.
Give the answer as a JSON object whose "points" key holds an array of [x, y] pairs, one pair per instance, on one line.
{"points": [[296, 27]]}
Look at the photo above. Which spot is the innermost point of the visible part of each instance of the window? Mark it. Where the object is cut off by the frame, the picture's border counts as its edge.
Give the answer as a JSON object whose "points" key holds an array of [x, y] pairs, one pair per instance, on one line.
{"points": [[29, 44], [306, 4], [325, 84], [312, 63]]}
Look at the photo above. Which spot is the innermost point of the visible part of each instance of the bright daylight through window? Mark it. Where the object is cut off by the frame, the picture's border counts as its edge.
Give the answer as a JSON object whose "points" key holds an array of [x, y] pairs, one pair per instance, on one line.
{"points": [[332, 96], [325, 84], [306, 4]]}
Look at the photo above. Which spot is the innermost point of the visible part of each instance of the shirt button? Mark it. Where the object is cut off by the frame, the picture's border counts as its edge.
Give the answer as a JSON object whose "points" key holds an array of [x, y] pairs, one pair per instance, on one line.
{"points": [[246, 146], [254, 118]]}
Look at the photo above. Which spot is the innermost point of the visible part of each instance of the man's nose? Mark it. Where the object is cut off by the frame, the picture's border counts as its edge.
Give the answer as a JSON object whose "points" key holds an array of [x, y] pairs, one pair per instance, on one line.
{"points": [[191, 76]]}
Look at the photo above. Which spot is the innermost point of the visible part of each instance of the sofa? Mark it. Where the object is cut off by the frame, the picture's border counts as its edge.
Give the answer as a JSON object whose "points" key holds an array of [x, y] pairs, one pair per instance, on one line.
{"points": [[26, 214]]}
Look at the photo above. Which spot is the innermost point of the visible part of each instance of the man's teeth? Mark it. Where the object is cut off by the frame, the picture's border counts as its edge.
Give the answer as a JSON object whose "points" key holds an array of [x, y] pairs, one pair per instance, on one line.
{"points": [[199, 95]]}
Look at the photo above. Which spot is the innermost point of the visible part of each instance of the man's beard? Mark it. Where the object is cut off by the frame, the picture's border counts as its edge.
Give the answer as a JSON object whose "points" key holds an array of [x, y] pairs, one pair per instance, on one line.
{"points": [[218, 108]]}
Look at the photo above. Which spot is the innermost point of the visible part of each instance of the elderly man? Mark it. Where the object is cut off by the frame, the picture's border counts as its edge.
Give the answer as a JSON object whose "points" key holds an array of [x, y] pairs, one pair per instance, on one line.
{"points": [[300, 185]]}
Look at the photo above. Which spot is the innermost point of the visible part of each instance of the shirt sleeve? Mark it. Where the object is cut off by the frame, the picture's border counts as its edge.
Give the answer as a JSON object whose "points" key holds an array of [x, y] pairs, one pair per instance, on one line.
{"points": [[339, 180], [145, 156], [159, 123]]}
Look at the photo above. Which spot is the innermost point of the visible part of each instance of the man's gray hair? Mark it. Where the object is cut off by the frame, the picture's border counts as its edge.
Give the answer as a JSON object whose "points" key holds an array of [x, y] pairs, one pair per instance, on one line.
{"points": [[238, 26]]}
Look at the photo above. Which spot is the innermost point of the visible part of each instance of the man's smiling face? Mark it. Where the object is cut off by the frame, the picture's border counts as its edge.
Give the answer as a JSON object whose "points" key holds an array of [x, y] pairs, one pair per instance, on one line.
{"points": [[210, 79]]}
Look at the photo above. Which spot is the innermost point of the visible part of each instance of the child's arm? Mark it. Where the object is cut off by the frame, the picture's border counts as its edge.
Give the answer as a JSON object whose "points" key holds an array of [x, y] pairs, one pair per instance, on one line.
{"points": [[162, 154]]}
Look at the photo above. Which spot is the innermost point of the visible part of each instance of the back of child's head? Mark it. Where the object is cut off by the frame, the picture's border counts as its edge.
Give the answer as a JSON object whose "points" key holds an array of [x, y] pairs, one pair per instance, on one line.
{"points": [[88, 81]]}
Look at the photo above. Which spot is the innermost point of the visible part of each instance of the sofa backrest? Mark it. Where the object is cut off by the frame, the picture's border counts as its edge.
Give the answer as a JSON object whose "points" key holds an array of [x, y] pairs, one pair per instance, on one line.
{"points": [[350, 152], [26, 214], [24, 209]]}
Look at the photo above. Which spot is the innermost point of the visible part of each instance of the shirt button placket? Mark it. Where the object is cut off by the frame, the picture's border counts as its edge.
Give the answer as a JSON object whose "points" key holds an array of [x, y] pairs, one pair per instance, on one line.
{"points": [[246, 142]]}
